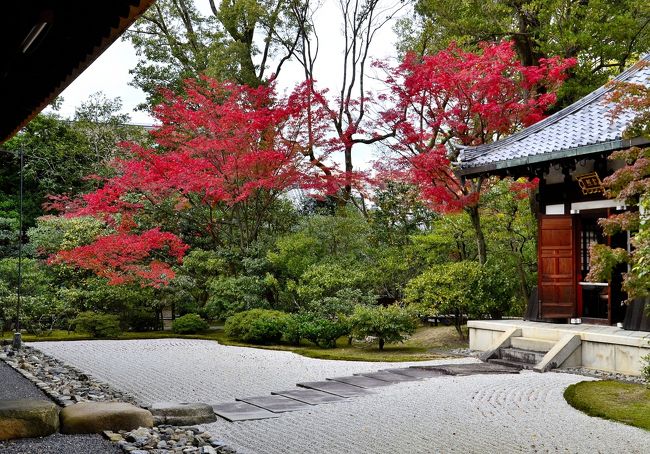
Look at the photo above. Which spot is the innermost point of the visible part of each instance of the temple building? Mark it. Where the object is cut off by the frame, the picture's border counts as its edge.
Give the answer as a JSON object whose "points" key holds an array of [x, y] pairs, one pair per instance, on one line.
{"points": [[568, 151]]}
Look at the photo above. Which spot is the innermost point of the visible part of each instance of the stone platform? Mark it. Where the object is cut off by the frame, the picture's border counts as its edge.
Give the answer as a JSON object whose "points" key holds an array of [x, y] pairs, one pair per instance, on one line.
{"points": [[603, 347]]}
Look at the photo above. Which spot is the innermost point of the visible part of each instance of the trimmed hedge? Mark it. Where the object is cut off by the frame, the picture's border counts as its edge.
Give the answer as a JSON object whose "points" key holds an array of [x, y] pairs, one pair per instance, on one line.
{"points": [[189, 324], [257, 326], [317, 329], [97, 324]]}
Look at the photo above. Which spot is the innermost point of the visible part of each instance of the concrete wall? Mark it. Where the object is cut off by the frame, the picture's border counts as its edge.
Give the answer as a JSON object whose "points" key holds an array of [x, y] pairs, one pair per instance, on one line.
{"points": [[603, 347]]}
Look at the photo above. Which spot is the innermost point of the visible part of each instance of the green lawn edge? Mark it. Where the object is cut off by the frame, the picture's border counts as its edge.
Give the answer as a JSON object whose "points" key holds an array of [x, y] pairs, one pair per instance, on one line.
{"points": [[627, 403], [405, 352]]}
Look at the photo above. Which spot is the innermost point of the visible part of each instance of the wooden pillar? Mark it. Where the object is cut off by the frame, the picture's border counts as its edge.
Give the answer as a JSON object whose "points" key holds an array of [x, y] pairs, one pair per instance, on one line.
{"points": [[567, 168]]}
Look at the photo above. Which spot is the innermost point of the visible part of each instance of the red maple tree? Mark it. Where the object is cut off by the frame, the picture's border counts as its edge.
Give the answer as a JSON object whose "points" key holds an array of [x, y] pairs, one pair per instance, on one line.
{"points": [[457, 98], [223, 155]]}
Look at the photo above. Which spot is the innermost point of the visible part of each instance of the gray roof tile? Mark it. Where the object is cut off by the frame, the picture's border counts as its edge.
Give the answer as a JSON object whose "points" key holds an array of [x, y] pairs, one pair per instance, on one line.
{"points": [[585, 122]]}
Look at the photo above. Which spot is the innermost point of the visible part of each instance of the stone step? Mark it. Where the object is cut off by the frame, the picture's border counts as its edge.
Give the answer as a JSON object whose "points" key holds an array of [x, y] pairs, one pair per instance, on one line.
{"points": [[513, 364], [27, 418], [532, 343], [522, 356]]}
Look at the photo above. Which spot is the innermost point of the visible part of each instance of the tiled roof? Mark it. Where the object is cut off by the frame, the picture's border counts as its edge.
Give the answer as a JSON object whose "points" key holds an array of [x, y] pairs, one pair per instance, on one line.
{"points": [[585, 123]]}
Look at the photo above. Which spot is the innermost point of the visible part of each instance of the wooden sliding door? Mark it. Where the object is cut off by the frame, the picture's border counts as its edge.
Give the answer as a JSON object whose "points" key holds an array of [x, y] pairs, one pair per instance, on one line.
{"points": [[558, 261]]}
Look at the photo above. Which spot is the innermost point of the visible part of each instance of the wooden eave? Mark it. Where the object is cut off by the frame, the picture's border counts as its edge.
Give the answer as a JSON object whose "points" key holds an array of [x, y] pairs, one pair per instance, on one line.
{"points": [[77, 32], [527, 165]]}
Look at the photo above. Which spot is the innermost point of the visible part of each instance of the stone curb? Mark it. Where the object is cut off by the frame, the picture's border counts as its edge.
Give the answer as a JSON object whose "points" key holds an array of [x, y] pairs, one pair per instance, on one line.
{"points": [[47, 388], [109, 395]]}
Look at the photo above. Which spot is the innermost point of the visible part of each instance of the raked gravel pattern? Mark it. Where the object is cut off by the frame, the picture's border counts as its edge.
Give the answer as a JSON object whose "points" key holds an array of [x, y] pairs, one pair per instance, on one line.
{"points": [[476, 414], [188, 370]]}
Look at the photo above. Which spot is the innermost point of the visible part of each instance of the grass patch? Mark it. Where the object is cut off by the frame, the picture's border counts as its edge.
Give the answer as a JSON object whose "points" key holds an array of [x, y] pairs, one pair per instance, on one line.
{"points": [[623, 402], [427, 343], [63, 335]]}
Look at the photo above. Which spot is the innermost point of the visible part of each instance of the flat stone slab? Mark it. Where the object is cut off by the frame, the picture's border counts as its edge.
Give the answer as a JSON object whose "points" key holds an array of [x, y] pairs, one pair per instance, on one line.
{"points": [[361, 381], [182, 414], [336, 388], [27, 418], [310, 396], [390, 377], [471, 369], [241, 411], [417, 373], [274, 403], [96, 417]]}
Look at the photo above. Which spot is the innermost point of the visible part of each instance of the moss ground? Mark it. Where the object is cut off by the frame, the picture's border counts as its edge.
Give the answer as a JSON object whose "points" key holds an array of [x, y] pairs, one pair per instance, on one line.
{"points": [[427, 343], [623, 402]]}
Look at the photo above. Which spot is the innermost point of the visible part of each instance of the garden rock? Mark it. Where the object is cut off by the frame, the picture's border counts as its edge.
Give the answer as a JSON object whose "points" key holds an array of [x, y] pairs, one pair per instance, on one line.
{"points": [[87, 417], [182, 414], [169, 440], [27, 419]]}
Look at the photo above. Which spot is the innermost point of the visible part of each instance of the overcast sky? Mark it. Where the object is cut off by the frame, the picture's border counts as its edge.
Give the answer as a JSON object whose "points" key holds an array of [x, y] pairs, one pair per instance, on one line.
{"points": [[110, 72]]}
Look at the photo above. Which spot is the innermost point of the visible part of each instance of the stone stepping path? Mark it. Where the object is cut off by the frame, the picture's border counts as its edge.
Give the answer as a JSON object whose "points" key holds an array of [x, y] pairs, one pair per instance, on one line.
{"points": [[310, 396], [336, 388], [416, 372], [390, 377], [241, 411], [471, 369], [341, 388], [361, 381], [276, 404]]}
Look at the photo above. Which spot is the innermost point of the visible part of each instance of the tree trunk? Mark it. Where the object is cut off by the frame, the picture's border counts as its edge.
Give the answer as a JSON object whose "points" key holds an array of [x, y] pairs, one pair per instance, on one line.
{"points": [[381, 343], [347, 190], [475, 218], [458, 323], [523, 282]]}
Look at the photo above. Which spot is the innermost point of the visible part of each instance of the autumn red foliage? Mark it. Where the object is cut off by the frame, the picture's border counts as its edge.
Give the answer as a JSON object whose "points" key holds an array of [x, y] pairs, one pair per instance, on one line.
{"points": [[124, 257], [223, 154], [458, 98], [455, 99]]}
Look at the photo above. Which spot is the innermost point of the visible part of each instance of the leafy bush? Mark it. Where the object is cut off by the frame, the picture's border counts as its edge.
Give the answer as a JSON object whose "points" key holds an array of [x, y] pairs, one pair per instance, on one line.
{"points": [[229, 295], [141, 319], [462, 289], [257, 326], [326, 279], [294, 330], [41, 310], [97, 324], [342, 303], [189, 324], [497, 292], [324, 331], [388, 324], [53, 234], [645, 371], [318, 329]]}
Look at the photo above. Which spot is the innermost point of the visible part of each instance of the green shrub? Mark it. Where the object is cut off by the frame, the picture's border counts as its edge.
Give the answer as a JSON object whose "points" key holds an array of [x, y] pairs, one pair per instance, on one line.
{"points": [[257, 326], [229, 295], [343, 303], [326, 279], [97, 324], [189, 324], [388, 324], [462, 289], [294, 329], [54, 233], [645, 371], [497, 292], [141, 319], [318, 329]]}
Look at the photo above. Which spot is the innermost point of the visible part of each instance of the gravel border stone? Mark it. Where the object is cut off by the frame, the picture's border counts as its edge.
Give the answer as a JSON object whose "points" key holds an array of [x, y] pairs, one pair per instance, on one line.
{"points": [[67, 385], [601, 374], [63, 383]]}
